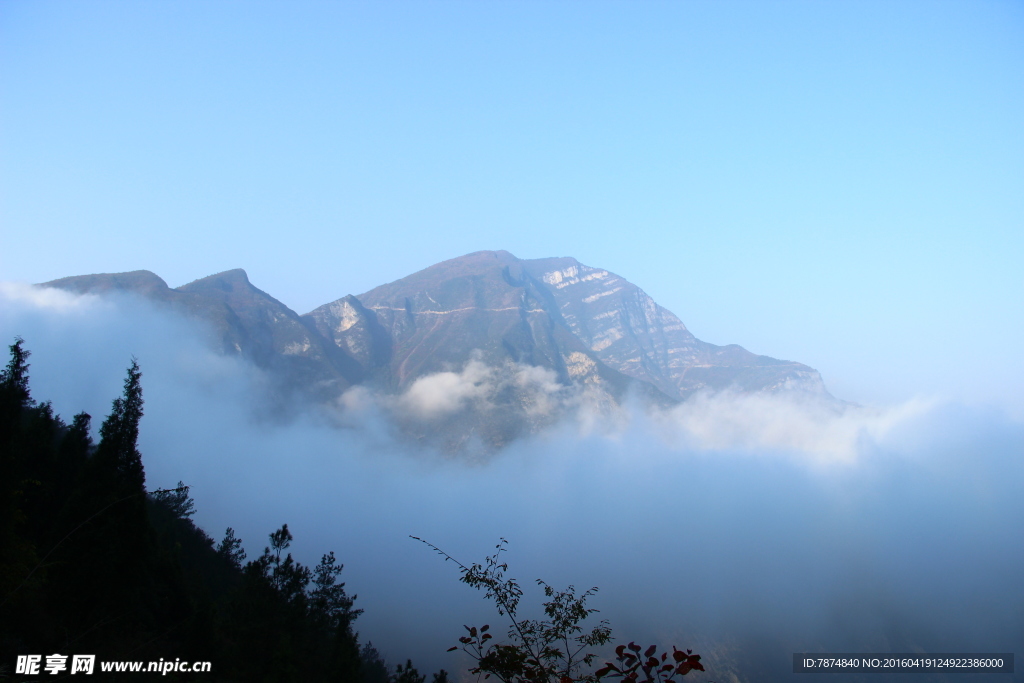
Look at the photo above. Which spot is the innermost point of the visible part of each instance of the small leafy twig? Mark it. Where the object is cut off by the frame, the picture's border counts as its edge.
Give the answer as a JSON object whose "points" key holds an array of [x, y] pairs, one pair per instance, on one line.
{"points": [[655, 670]]}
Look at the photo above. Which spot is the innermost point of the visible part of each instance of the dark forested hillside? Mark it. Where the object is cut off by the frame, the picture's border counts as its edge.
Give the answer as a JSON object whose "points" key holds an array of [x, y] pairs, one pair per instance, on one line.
{"points": [[92, 563]]}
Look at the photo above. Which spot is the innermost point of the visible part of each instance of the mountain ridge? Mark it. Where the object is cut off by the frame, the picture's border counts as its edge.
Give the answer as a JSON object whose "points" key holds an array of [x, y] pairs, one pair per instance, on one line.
{"points": [[588, 327]]}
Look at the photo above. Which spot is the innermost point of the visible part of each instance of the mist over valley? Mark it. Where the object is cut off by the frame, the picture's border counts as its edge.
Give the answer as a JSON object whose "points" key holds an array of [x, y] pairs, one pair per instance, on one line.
{"points": [[722, 501]]}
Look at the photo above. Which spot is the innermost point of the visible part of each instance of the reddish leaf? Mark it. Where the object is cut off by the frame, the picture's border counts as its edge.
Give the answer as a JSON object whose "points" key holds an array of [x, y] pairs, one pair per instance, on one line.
{"points": [[484, 628], [650, 651], [666, 667], [619, 650], [633, 646], [663, 656], [652, 662], [677, 655], [453, 647]]}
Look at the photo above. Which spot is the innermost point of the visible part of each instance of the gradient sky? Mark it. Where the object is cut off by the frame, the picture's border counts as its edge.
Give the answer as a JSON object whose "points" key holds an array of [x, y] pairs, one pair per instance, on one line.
{"points": [[839, 183]]}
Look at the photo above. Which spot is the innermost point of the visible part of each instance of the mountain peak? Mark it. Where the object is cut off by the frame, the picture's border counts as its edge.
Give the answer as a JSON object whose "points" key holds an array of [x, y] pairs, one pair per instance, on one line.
{"points": [[499, 254], [226, 281], [475, 263], [142, 281]]}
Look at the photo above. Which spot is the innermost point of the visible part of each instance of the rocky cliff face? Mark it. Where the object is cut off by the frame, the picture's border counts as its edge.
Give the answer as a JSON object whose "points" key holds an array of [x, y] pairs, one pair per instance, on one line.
{"points": [[629, 332]]}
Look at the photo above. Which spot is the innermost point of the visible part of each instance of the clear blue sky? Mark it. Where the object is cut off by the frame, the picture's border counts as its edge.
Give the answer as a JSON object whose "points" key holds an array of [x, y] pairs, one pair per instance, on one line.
{"points": [[839, 183]]}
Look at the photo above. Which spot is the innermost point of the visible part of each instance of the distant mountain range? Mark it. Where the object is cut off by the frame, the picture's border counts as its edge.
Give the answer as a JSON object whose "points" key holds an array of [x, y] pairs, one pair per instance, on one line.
{"points": [[589, 327]]}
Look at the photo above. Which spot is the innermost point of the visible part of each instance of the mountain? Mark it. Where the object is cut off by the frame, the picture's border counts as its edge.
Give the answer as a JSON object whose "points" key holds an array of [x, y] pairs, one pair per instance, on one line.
{"points": [[555, 313], [433, 320], [526, 336]]}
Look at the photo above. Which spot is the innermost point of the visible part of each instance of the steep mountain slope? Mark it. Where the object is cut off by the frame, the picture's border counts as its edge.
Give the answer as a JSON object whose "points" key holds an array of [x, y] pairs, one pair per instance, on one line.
{"points": [[275, 336], [628, 331]]}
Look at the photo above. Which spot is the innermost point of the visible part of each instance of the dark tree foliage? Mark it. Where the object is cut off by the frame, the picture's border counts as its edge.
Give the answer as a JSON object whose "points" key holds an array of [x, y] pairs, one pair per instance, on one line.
{"points": [[112, 575], [177, 501], [90, 562], [118, 452], [18, 551], [230, 549], [375, 669], [407, 674], [14, 380]]}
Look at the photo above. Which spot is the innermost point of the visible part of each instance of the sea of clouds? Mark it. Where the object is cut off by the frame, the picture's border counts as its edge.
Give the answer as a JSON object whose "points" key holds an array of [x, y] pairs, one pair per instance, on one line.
{"points": [[746, 527]]}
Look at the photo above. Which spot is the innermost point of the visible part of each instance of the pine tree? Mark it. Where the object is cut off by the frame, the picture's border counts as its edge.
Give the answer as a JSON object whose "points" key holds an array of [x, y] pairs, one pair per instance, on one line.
{"points": [[407, 675], [231, 550], [115, 549], [14, 378], [17, 551], [14, 399], [331, 608], [176, 501], [118, 451], [374, 667]]}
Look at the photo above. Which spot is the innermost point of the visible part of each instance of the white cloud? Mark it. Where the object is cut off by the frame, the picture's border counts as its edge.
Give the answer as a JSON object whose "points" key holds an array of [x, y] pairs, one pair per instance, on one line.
{"points": [[18, 294], [791, 422], [444, 393]]}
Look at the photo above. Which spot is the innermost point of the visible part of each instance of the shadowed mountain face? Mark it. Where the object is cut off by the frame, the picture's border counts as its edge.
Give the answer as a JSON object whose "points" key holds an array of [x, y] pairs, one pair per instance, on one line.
{"points": [[518, 324]]}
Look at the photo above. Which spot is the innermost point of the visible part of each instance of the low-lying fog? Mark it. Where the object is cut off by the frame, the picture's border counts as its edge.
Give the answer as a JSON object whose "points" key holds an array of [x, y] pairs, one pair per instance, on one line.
{"points": [[746, 528]]}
